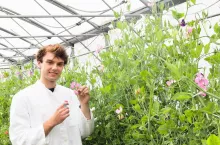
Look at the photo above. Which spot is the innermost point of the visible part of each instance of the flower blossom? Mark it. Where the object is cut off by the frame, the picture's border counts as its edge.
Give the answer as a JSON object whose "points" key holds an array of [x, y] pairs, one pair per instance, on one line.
{"points": [[119, 111], [202, 82], [170, 82], [75, 86], [99, 48], [189, 30], [30, 73], [183, 23]]}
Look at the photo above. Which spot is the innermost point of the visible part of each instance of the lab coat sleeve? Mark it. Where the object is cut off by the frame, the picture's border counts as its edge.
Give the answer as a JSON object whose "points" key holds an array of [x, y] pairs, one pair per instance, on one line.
{"points": [[21, 132], [86, 126]]}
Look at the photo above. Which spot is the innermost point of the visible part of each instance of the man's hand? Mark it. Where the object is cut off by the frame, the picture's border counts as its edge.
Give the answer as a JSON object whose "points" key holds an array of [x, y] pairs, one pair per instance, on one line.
{"points": [[59, 116], [83, 95]]}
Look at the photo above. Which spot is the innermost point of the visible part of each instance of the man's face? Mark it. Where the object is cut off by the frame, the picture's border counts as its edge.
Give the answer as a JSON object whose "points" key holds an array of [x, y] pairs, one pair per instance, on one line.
{"points": [[51, 67]]}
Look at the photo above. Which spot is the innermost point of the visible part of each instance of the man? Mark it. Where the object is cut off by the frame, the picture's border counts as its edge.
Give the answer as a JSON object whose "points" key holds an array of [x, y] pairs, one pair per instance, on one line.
{"points": [[46, 113]]}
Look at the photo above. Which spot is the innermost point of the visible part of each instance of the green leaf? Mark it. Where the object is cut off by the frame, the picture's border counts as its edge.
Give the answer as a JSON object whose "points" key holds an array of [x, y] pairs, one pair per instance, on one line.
{"points": [[214, 59], [206, 48], [136, 135], [182, 96], [213, 140], [159, 35], [189, 114], [204, 14], [177, 15], [116, 14], [137, 108], [210, 108], [163, 129], [121, 25], [198, 50], [166, 110], [107, 117], [135, 126], [217, 28], [174, 70], [193, 1], [144, 119], [133, 102], [106, 89]]}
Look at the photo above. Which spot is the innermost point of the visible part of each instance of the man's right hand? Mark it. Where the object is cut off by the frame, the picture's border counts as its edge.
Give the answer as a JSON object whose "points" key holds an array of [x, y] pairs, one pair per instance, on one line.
{"points": [[59, 116]]}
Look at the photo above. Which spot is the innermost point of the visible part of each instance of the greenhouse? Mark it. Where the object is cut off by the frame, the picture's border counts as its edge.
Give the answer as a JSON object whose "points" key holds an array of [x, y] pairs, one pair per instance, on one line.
{"points": [[110, 72]]}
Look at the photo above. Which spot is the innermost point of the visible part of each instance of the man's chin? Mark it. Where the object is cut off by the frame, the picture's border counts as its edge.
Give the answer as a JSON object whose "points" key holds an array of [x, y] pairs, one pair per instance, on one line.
{"points": [[53, 79]]}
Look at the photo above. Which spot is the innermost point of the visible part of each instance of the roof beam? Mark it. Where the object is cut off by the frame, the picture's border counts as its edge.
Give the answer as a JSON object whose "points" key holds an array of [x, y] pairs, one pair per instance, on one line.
{"points": [[48, 36], [62, 6], [128, 17]]}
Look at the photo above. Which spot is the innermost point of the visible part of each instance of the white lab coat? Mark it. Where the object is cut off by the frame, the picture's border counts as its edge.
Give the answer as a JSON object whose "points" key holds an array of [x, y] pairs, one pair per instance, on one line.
{"points": [[34, 105]]}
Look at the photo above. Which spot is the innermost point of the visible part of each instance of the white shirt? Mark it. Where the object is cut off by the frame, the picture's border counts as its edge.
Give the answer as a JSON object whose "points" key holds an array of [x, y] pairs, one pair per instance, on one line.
{"points": [[34, 105]]}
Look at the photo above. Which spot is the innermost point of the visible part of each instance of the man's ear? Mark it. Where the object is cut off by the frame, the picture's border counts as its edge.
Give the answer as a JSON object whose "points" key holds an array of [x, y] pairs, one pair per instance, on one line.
{"points": [[39, 64]]}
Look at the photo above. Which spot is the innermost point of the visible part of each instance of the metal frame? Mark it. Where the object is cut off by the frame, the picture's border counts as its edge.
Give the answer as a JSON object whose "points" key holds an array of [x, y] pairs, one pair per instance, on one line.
{"points": [[97, 30]]}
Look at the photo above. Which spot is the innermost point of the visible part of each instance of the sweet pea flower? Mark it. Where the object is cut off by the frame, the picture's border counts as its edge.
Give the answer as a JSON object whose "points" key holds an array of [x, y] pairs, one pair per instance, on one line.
{"points": [[189, 30], [30, 73], [75, 86], [99, 48], [183, 23], [18, 73], [118, 111], [170, 82], [202, 82]]}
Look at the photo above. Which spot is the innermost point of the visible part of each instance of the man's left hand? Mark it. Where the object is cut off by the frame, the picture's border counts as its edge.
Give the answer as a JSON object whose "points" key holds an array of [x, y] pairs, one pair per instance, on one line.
{"points": [[83, 95]]}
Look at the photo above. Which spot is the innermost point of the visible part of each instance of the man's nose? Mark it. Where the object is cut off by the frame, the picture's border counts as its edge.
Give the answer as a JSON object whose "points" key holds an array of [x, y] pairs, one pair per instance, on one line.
{"points": [[54, 66]]}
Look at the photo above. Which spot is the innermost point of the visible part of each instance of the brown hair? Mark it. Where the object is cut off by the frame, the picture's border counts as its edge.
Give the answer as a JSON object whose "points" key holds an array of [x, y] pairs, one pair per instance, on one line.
{"points": [[57, 49]]}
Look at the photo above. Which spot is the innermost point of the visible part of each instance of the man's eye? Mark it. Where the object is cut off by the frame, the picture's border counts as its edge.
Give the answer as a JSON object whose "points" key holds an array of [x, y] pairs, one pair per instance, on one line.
{"points": [[60, 64], [49, 62]]}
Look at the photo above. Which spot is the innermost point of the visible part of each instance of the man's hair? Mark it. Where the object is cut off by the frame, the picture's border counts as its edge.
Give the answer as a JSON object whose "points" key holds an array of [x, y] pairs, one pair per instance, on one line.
{"points": [[57, 49]]}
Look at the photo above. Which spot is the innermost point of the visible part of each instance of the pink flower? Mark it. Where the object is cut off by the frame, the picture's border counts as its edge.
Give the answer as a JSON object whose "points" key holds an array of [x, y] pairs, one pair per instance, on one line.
{"points": [[118, 111], [72, 85], [30, 73], [18, 73], [170, 82], [99, 48], [202, 82], [202, 93], [189, 30], [75, 86]]}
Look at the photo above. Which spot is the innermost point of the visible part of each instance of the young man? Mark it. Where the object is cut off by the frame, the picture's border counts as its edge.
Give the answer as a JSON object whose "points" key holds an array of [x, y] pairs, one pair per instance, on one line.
{"points": [[46, 113]]}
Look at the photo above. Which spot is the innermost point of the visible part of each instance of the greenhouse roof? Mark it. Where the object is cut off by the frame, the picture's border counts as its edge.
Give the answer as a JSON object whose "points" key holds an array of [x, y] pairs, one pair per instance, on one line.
{"points": [[27, 25]]}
